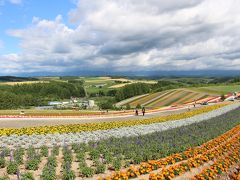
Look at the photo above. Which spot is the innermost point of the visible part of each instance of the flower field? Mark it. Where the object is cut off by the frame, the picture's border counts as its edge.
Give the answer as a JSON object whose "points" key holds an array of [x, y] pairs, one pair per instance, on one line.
{"points": [[191, 158], [105, 125], [168, 98], [69, 138], [146, 99], [199, 148]]}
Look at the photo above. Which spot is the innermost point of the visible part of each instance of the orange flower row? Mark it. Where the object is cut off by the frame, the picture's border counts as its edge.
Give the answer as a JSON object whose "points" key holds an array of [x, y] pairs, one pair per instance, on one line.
{"points": [[147, 167], [230, 145], [221, 165]]}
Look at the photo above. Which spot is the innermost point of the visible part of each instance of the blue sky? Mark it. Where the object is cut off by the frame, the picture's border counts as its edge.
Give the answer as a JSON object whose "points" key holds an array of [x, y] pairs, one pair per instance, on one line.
{"points": [[20, 14], [74, 36]]}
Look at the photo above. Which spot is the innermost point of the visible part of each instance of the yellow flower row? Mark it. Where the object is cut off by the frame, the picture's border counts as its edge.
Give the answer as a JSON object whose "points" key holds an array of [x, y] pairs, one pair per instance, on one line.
{"points": [[73, 128]]}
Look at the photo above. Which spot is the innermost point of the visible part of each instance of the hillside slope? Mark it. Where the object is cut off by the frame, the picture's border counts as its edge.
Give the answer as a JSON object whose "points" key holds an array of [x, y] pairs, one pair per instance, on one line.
{"points": [[168, 98]]}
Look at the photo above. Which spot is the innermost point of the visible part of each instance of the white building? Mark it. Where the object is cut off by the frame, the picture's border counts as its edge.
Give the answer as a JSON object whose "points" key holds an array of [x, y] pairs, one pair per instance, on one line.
{"points": [[54, 103]]}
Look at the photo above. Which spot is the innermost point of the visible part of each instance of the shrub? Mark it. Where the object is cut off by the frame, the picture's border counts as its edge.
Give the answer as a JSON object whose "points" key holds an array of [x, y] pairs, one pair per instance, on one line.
{"points": [[68, 175], [75, 147], [94, 154], [137, 159], [66, 165], [55, 151], [48, 173], [67, 155], [82, 165], [18, 158], [128, 107], [27, 176], [100, 168], [31, 152], [80, 156], [117, 164], [138, 106], [52, 162], [32, 164], [44, 151], [108, 158], [12, 168], [106, 105], [87, 172], [2, 163], [4, 178], [18, 155]]}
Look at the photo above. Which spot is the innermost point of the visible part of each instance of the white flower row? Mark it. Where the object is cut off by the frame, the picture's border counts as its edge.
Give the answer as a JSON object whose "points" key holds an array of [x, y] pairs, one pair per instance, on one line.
{"points": [[69, 138]]}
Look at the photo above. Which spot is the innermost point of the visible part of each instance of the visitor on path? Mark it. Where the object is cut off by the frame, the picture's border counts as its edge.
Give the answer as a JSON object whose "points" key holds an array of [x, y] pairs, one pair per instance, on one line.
{"points": [[136, 112], [143, 111]]}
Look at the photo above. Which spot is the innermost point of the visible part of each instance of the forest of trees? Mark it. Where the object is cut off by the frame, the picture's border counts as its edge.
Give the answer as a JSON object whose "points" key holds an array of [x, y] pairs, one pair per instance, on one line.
{"points": [[132, 90], [37, 94]]}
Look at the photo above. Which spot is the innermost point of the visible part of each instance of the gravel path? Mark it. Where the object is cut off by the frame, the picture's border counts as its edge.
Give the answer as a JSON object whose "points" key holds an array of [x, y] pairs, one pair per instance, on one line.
{"points": [[60, 139]]}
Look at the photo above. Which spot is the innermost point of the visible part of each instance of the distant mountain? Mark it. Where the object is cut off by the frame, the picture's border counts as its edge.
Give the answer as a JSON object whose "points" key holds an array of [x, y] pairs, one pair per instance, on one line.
{"points": [[177, 73], [16, 79]]}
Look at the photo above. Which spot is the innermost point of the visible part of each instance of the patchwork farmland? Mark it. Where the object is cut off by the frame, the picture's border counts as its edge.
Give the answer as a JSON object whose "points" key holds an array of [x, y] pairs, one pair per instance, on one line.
{"points": [[169, 98]]}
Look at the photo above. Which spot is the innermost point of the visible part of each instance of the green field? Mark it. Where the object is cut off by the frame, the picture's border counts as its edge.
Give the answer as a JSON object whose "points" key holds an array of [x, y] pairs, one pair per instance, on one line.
{"points": [[218, 90]]}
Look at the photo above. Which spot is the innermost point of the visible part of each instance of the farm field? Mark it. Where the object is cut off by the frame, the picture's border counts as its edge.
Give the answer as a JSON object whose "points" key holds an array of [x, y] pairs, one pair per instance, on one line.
{"points": [[169, 98], [91, 83], [177, 152], [22, 82], [36, 112], [129, 100], [218, 90], [127, 81], [107, 83], [146, 99]]}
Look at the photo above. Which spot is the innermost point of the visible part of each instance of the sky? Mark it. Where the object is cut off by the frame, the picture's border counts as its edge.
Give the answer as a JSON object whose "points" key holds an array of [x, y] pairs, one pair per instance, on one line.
{"points": [[43, 37]]}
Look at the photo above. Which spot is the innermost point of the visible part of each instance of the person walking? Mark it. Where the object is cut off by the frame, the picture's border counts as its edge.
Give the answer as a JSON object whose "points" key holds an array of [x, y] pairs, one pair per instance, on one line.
{"points": [[143, 111], [136, 112]]}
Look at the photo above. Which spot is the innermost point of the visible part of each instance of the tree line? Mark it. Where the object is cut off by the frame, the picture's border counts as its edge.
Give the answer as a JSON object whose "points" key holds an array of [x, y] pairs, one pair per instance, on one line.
{"points": [[36, 94]]}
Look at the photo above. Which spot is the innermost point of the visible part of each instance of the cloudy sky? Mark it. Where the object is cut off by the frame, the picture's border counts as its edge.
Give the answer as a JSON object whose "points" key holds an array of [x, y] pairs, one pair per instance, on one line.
{"points": [[52, 36]]}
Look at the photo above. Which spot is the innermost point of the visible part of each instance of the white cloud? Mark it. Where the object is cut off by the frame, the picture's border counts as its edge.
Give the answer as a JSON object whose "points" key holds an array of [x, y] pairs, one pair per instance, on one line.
{"points": [[135, 35], [15, 1]]}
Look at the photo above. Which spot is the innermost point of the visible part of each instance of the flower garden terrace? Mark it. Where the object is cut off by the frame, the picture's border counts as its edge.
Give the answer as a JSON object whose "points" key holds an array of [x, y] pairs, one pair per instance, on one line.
{"points": [[25, 137], [74, 128], [175, 152]]}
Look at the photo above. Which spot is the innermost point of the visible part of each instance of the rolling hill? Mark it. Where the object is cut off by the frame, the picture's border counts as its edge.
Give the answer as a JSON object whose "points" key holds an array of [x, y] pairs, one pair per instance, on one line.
{"points": [[168, 98]]}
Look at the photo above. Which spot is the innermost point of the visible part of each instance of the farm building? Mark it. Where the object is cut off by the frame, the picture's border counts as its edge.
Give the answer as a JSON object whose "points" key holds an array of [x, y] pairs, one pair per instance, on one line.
{"points": [[100, 85], [54, 103]]}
